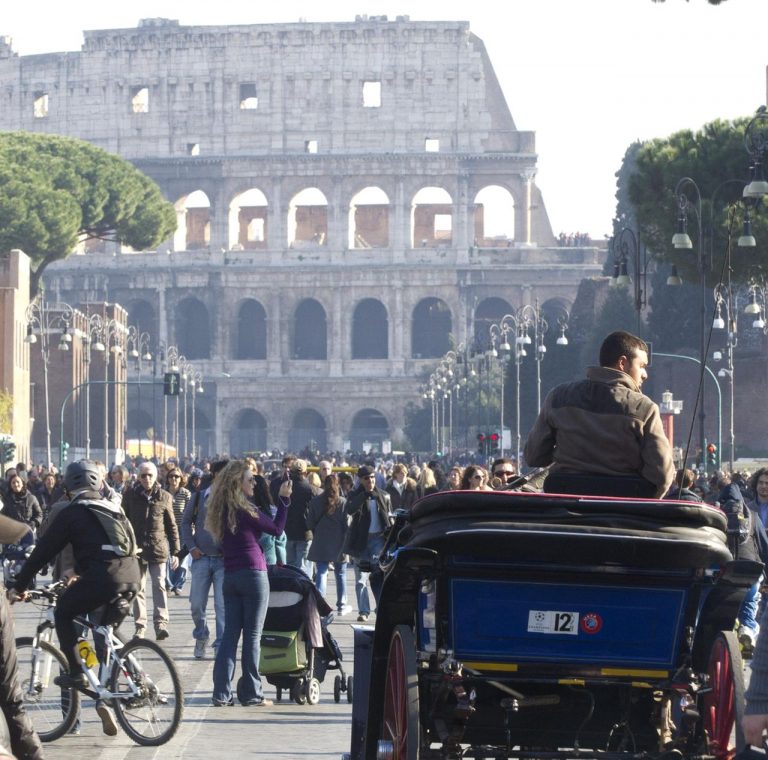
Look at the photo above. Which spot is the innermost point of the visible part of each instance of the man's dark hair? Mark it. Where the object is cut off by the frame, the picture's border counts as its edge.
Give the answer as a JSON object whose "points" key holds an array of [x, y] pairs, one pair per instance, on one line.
{"points": [[684, 478], [502, 460], [619, 344], [218, 466]]}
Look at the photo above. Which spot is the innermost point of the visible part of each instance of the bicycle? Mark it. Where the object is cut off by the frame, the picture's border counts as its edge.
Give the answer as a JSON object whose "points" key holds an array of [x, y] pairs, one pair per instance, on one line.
{"points": [[136, 678]]}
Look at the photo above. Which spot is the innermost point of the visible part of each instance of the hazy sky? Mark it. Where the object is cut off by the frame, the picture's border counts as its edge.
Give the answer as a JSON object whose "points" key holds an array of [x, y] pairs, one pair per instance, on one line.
{"points": [[588, 76]]}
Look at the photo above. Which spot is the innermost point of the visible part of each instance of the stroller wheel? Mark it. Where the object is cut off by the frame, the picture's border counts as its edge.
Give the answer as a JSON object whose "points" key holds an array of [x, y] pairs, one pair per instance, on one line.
{"points": [[349, 689], [298, 694], [337, 689], [313, 691]]}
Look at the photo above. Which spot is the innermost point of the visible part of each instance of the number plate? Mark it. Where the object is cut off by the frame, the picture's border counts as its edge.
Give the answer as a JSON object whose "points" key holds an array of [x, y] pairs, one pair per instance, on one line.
{"points": [[551, 621]]}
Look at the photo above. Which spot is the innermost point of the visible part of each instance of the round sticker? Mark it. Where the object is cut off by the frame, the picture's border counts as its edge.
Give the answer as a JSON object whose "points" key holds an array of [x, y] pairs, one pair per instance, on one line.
{"points": [[591, 622]]}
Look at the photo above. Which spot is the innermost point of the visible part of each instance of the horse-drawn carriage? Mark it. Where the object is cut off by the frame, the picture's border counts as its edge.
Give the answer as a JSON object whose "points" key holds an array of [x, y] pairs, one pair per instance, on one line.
{"points": [[538, 626]]}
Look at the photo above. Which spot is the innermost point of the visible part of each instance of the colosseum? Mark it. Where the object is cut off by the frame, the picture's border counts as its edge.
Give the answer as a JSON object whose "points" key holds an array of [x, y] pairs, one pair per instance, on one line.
{"points": [[353, 199]]}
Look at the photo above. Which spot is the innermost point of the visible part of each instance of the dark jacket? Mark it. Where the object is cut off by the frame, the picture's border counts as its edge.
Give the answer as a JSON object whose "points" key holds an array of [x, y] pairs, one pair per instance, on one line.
{"points": [[357, 508], [153, 522], [404, 500], [328, 531], [24, 507], [602, 425], [296, 528]]}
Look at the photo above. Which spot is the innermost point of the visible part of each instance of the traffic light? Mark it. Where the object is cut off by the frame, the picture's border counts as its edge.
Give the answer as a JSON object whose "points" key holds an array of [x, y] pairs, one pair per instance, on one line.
{"points": [[64, 452], [494, 442], [712, 454], [481, 443], [171, 383], [7, 451]]}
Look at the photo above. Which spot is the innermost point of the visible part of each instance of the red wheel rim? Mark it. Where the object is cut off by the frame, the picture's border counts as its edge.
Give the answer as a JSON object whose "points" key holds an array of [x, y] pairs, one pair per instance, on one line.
{"points": [[395, 724], [719, 703]]}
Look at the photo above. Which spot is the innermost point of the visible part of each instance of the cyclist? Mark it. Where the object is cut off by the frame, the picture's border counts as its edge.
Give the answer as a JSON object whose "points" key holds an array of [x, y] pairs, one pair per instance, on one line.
{"points": [[101, 572]]}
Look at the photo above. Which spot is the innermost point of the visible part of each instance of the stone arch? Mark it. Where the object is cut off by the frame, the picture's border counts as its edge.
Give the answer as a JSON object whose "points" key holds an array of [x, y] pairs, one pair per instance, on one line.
{"points": [[193, 222], [431, 327], [369, 426], [193, 329], [308, 431], [431, 218], [249, 433], [310, 331], [370, 330], [494, 216], [247, 222], [139, 423], [308, 218], [488, 312], [250, 337], [203, 433], [141, 314], [369, 218]]}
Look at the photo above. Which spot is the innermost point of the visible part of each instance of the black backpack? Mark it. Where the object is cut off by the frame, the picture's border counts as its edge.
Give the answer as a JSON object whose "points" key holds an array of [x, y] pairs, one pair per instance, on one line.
{"points": [[117, 526]]}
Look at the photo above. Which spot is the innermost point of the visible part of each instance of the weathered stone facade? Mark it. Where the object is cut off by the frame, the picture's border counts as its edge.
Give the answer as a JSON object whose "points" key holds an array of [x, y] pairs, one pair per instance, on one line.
{"points": [[331, 184]]}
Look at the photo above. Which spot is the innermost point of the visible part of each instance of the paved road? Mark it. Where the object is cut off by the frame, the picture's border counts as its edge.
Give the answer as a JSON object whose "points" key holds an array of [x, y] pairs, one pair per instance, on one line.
{"points": [[286, 731]]}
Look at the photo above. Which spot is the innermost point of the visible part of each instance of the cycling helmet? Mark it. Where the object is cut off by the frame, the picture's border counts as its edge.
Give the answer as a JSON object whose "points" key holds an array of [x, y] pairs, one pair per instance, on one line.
{"points": [[82, 475]]}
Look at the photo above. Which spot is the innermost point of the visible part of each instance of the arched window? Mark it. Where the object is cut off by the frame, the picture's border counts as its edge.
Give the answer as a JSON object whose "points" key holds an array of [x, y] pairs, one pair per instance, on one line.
{"points": [[369, 219], [203, 433], [430, 329], [249, 433], [308, 432], [369, 429], [251, 337], [310, 332], [248, 215], [431, 218], [308, 219], [141, 314], [193, 330], [494, 217], [193, 222], [489, 312], [370, 330]]}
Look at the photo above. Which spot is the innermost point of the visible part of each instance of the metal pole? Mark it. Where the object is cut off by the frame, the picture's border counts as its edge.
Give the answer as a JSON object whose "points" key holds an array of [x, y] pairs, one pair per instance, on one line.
{"points": [[501, 426], [194, 446], [106, 402], [88, 400], [518, 360], [138, 414]]}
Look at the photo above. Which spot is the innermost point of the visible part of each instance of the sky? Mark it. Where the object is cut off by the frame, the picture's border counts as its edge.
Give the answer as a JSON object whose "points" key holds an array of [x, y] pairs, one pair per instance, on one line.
{"points": [[589, 77]]}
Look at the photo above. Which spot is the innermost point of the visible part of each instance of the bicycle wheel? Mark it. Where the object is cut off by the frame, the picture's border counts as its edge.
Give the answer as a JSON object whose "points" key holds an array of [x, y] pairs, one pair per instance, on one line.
{"points": [[52, 710], [148, 700]]}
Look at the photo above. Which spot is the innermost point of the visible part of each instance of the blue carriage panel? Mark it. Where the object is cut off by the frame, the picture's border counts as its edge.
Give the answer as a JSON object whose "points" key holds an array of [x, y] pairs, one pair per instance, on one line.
{"points": [[495, 621]]}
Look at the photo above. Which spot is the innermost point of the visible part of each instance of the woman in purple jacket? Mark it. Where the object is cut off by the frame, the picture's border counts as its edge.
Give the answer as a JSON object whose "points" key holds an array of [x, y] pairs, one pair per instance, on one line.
{"points": [[237, 526]]}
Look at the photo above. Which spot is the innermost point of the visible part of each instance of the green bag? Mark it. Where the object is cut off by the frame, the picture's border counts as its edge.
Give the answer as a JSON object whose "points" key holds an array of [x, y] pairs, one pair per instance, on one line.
{"points": [[282, 652]]}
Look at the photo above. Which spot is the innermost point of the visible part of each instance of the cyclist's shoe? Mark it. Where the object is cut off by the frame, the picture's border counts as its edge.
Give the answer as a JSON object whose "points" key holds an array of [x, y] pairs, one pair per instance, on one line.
{"points": [[108, 722], [73, 681]]}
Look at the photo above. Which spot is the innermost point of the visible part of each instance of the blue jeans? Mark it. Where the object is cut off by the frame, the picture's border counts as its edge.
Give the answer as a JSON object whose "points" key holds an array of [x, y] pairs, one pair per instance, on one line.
{"points": [[340, 572], [748, 612], [372, 550], [174, 579], [296, 555], [246, 597], [207, 572]]}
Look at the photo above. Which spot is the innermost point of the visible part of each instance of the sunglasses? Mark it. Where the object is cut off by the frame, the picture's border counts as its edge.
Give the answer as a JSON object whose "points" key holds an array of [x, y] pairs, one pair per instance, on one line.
{"points": [[174, 477], [504, 473], [146, 475], [477, 477]]}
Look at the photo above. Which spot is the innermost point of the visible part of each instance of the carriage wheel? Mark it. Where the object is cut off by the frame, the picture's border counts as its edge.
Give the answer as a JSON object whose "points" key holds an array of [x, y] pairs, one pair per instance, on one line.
{"points": [[724, 703], [400, 724]]}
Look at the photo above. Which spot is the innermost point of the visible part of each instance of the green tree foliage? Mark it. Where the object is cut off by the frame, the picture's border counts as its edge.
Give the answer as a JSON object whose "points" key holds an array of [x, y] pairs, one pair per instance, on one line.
{"points": [[55, 191], [617, 313], [715, 158]]}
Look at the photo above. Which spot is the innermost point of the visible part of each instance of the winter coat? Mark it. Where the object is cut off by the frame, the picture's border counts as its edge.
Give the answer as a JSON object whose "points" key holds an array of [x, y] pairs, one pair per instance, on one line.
{"points": [[153, 522], [407, 498], [296, 526], [329, 531], [23, 506], [357, 508], [602, 425]]}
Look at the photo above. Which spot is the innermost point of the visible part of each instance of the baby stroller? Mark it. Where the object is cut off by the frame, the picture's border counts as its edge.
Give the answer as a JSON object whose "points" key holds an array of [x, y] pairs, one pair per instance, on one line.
{"points": [[296, 646]]}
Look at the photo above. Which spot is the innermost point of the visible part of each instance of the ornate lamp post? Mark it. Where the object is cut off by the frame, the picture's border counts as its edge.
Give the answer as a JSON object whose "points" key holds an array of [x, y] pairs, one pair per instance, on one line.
{"points": [[45, 319], [173, 361], [138, 350]]}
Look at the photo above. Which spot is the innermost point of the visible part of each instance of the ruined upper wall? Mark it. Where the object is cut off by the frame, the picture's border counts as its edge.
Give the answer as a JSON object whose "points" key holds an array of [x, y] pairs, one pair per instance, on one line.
{"points": [[163, 89]]}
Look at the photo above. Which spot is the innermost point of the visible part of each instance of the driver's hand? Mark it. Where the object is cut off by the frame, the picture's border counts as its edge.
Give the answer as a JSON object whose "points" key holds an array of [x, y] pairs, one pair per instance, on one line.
{"points": [[14, 596]]}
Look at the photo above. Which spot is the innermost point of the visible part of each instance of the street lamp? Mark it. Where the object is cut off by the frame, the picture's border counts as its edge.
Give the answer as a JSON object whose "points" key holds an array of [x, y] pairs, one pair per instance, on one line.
{"points": [[197, 387], [532, 317], [725, 317], [46, 319], [138, 350], [171, 365]]}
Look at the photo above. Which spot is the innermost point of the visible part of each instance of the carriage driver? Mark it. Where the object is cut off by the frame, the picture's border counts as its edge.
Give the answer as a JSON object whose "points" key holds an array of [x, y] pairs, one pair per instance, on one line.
{"points": [[604, 428]]}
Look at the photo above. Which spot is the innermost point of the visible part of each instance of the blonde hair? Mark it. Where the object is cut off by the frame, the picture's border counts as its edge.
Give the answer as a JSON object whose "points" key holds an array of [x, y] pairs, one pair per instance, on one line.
{"points": [[314, 480], [226, 499], [427, 478]]}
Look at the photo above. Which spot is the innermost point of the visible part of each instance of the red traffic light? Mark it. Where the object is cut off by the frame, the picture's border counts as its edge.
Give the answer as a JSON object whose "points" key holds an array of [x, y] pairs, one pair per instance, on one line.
{"points": [[494, 436], [711, 448], [480, 437]]}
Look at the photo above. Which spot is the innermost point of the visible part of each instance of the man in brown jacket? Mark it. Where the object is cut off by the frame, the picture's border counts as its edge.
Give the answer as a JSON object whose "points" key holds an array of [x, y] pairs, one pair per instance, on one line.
{"points": [[150, 510], [602, 434]]}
